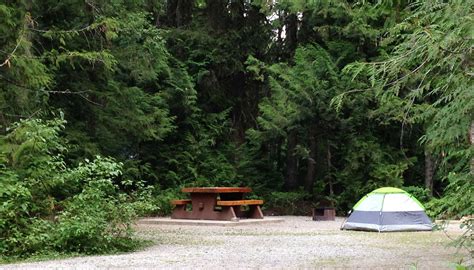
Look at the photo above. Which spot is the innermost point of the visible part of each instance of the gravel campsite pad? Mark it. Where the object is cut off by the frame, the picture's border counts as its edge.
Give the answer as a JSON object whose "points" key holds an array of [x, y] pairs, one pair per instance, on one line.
{"points": [[298, 242]]}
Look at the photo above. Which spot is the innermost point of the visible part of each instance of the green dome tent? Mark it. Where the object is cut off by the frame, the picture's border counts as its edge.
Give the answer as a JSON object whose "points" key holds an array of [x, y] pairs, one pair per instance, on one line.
{"points": [[388, 209]]}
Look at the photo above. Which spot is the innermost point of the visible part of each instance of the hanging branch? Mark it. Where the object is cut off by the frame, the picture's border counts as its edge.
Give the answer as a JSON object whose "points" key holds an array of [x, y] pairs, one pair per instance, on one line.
{"points": [[10, 55], [91, 26], [67, 91], [27, 21]]}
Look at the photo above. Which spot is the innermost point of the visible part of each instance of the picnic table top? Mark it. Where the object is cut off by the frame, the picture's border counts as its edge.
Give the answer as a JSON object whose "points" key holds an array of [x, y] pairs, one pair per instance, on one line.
{"points": [[217, 189]]}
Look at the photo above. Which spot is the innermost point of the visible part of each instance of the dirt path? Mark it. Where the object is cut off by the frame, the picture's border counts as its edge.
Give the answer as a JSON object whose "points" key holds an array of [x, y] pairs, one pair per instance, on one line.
{"points": [[296, 243]]}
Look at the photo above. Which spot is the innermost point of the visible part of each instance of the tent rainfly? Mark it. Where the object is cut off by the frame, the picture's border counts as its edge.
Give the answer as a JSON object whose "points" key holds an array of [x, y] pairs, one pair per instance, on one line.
{"points": [[388, 209]]}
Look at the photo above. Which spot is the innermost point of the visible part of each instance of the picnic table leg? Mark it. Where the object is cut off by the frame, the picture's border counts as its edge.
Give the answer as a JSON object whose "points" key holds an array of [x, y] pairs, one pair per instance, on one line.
{"points": [[255, 212], [203, 205], [179, 212], [234, 197], [238, 212], [228, 213]]}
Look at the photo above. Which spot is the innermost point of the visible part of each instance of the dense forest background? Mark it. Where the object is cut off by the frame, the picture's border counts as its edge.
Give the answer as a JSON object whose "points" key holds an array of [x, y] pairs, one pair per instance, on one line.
{"points": [[109, 107]]}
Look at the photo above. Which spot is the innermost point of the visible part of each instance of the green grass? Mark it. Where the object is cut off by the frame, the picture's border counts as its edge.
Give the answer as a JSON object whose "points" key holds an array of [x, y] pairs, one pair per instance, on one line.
{"points": [[38, 257], [134, 245]]}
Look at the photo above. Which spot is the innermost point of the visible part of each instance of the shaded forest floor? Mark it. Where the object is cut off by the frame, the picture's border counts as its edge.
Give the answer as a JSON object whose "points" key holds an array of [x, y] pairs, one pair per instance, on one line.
{"points": [[298, 242]]}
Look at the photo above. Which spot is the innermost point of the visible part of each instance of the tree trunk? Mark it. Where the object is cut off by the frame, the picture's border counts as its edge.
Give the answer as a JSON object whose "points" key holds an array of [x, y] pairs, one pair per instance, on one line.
{"points": [[471, 140], [171, 11], [429, 171], [291, 33], [237, 11], [291, 181], [217, 14], [184, 11], [329, 163], [178, 12], [310, 174]]}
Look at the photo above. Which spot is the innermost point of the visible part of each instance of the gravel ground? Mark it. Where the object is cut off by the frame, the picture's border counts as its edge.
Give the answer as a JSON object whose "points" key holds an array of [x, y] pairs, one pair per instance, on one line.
{"points": [[296, 243]]}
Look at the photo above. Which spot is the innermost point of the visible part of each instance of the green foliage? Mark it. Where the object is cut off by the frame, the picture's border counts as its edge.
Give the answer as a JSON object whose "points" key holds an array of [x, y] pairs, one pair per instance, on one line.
{"points": [[458, 201], [97, 220], [428, 78], [162, 200], [48, 206], [288, 203], [338, 97], [202, 157], [421, 194]]}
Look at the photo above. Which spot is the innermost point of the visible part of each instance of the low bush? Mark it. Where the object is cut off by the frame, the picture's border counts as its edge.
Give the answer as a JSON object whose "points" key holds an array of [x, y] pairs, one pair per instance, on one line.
{"points": [[420, 193], [48, 207], [288, 203]]}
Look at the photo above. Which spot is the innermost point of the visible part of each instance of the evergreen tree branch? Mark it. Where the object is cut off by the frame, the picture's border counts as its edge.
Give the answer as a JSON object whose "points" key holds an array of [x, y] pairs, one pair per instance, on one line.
{"points": [[10, 55]]}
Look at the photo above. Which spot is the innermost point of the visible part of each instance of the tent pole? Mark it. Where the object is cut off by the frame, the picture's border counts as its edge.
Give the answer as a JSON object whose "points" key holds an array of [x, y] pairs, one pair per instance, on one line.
{"points": [[381, 210]]}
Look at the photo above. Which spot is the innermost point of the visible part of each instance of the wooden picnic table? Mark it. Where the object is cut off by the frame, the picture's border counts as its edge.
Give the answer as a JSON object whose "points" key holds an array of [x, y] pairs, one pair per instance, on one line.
{"points": [[216, 203]]}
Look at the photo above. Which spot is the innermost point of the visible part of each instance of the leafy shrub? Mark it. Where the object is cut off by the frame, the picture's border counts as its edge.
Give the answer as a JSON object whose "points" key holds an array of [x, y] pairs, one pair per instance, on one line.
{"points": [[151, 200], [162, 200], [457, 201], [94, 220], [288, 203], [143, 200], [420, 193], [46, 206]]}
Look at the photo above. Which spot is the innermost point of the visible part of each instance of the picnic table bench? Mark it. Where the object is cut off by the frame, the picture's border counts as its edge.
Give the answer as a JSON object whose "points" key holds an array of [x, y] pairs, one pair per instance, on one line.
{"points": [[216, 203]]}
